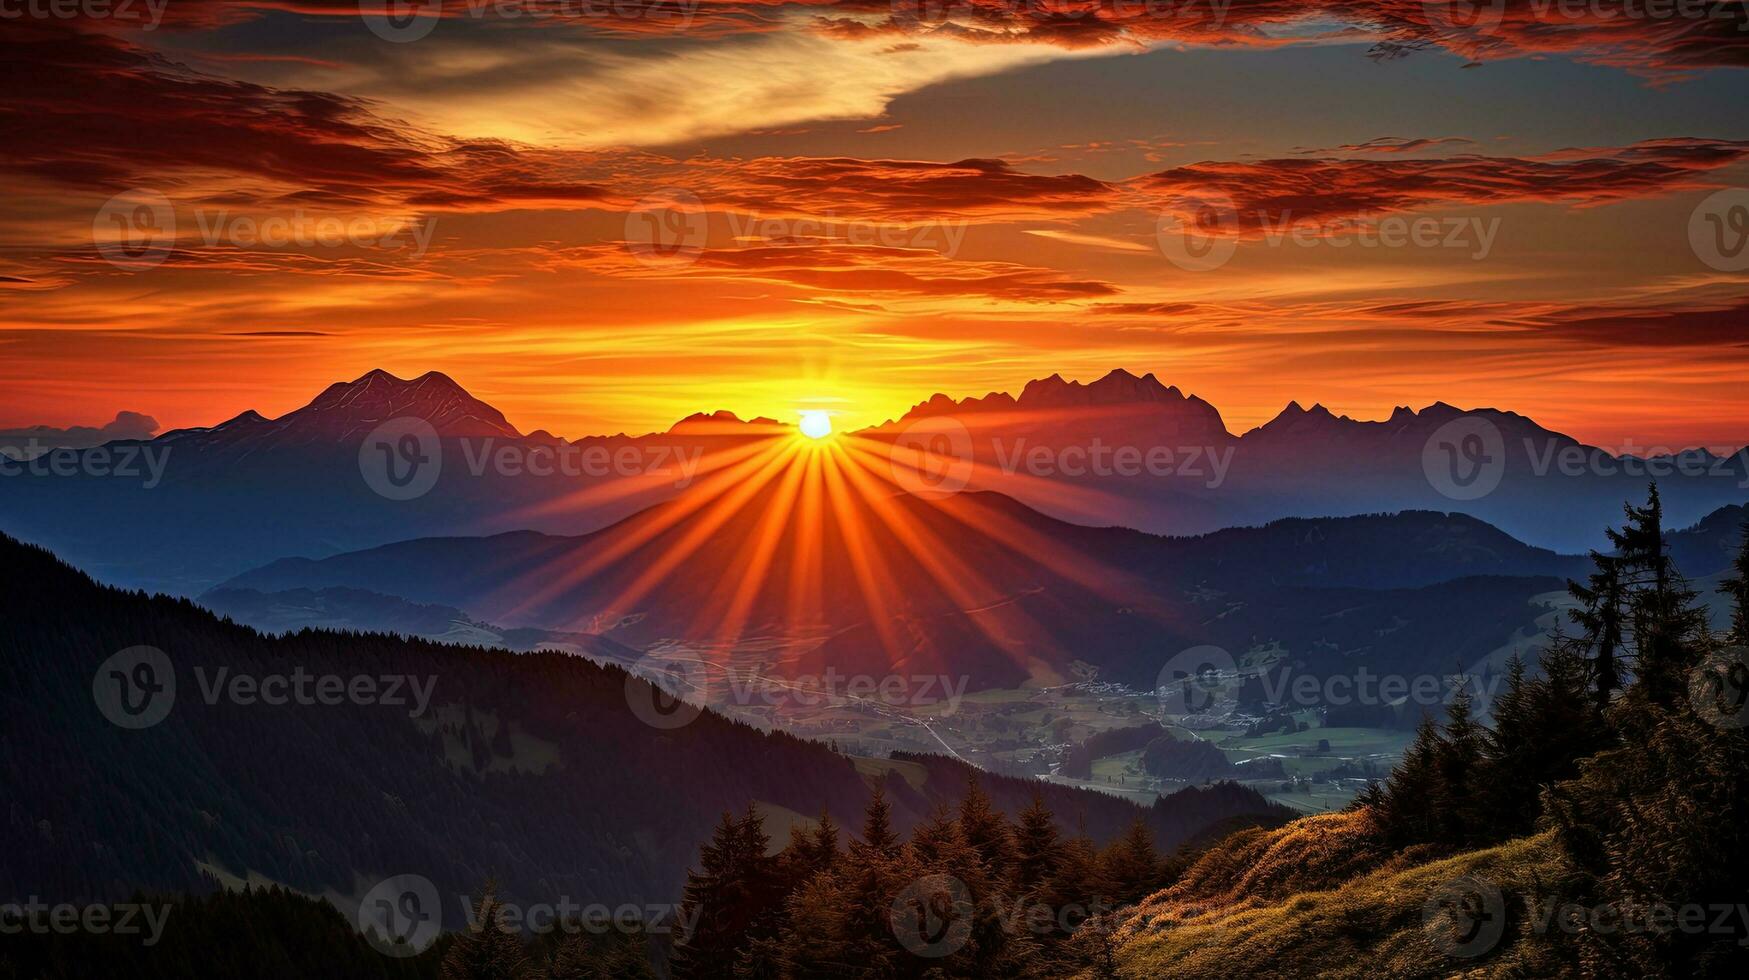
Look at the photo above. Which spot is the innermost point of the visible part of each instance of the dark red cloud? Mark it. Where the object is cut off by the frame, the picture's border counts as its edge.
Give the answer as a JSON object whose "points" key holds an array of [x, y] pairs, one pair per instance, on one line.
{"points": [[1672, 39], [1266, 191], [1616, 32], [98, 113], [898, 191], [1693, 322], [1398, 144], [1717, 326], [876, 271], [1647, 38]]}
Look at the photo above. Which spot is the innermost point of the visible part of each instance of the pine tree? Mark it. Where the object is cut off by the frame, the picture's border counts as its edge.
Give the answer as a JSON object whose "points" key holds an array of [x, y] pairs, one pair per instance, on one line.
{"points": [[936, 841], [1543, 727], [1079, 887], [1660, 819], [1132, 864], [707, 950], [488, 951], [762, 888], [815, 942], [610, 956], [795, 864], [1404, 807], [877, 828], [1600, 616], [1666, 622], [1638, 609], [823, 845], [808, 853], [1512, 790], [875, 872], [985, 830], [1458, 757], [1036, 846]]}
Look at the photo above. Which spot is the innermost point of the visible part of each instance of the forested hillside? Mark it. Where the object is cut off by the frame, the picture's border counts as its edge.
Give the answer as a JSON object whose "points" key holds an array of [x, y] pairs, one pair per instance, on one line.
{"points": [[1596, 829], [532, 769]]}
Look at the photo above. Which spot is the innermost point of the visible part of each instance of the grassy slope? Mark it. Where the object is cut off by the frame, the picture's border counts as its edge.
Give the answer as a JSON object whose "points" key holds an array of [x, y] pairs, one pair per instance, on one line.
{"points": [[1314, 899]]}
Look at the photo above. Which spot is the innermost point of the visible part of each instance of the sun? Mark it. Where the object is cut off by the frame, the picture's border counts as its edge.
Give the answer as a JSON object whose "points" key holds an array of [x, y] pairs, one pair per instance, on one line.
{"points": [[816, 424]]}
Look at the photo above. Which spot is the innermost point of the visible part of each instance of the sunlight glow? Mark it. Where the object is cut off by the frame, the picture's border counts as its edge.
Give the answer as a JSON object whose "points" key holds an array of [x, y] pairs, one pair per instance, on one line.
{"points": [[817, 521], [816, 424]]}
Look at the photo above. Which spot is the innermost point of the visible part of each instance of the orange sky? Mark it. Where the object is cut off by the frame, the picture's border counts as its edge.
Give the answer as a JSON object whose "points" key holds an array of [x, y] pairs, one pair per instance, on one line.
{"points": [[606, 226]]}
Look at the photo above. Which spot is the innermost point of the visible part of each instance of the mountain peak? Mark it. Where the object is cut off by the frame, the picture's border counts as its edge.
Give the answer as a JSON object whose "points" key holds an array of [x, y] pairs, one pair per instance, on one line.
{"points": [[721, 415], [1300, 421], [347, 410], [1117, 387], [1117, 393]]}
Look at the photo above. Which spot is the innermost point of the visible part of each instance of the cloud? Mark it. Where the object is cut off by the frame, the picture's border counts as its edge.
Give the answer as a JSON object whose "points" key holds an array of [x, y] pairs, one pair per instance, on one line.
{"points": [[1269, 191], [1691, 321], [841, 269], [1657, 41], [897, 191], [96, 113], [1398, 144], [32, 441], [1715, 327], [567, 88], [1094, 241], [1646, 39]]}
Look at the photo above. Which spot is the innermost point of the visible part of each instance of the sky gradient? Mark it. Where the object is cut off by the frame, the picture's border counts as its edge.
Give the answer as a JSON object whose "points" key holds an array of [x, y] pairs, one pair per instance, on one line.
{"points": [[603, 217]]}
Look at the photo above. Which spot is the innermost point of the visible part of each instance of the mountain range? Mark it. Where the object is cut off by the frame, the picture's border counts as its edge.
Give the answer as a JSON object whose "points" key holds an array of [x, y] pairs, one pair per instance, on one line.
{"points": [[1536, 484], [982, 587], [236, 495]]}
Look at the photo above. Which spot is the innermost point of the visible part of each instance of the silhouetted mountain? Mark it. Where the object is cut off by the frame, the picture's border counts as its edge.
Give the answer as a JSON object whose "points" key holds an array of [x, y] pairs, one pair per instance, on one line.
{"points": [[1116, 405], [195, 506], [532, 768], [345, 412], [204, 504], [1054, 448]]}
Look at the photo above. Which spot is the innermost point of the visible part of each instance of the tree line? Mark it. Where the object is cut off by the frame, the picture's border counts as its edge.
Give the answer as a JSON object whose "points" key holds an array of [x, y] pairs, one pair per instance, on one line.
{"points": [[1628, 745]]}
